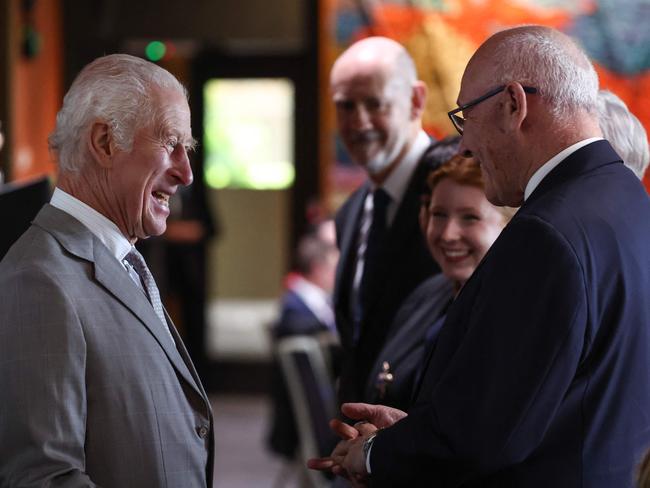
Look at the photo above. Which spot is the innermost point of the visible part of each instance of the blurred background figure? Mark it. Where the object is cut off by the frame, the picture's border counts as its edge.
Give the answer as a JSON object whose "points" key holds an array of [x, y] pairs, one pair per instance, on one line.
{"points": [[306, 310], [179, 262], [19, 204], [306, 305], [379, 106], [460, 227], [624, 131]]}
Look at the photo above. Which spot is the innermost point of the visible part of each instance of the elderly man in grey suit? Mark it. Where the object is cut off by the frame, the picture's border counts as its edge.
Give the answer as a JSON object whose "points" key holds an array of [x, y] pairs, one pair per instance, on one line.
{"points": [[97, 387]]}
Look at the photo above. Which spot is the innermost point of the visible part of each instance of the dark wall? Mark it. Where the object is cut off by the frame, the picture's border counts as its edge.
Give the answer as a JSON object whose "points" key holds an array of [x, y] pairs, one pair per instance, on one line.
{"points": [[237, 26]]}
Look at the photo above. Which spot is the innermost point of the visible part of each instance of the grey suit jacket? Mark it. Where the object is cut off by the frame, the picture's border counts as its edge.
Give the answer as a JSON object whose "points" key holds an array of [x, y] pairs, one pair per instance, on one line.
{"points": [[94, 393]]}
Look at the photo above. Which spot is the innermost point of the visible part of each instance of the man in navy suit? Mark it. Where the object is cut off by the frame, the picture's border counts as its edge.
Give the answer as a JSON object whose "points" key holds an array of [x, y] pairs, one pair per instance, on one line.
{"points": [[379, 105], [540, 374], [306, 310]]}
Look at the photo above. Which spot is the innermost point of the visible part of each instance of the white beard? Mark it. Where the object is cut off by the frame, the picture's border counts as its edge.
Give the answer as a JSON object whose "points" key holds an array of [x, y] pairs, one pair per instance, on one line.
{"points": [[383, 159]]}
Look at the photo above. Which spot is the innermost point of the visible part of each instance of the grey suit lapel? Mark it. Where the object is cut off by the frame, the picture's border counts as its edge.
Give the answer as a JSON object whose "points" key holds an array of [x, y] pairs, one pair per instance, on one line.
{"points": [[109, 272], [79, 241]]}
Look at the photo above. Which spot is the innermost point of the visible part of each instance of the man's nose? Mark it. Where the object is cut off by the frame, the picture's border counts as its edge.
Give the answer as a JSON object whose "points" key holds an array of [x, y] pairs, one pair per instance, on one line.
{"points": [[361, 117], [182, 168]]}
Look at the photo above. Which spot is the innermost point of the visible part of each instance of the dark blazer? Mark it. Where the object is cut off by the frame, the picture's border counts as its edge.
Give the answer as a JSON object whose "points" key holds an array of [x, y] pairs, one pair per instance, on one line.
{"points": [[406, 344], [94, 392], [406, 263], [296, 318], [540, 376]]}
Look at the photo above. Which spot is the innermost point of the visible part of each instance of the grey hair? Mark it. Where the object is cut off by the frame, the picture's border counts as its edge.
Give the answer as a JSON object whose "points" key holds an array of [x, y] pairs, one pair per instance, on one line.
{"points": [[312, 250], [625, 132], [116, 89], [563, 76]]}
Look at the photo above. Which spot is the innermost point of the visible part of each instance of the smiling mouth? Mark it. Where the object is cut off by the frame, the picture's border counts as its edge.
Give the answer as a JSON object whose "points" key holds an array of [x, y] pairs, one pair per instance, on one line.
{"points": [[161, 198], [455, 254]]}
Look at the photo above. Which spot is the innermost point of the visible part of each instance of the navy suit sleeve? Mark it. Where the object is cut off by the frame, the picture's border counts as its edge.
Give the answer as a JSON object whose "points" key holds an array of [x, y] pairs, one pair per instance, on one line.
{"points": [[505, 359]]}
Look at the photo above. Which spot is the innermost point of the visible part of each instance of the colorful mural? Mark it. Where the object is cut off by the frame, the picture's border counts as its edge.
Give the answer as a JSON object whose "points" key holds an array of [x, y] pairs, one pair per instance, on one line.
{"points": [[441, 35]]}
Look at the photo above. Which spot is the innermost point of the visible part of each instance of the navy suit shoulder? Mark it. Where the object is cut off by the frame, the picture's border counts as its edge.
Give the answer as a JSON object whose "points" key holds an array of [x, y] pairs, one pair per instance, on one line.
{"points": [[296, 317], [539, 377]]}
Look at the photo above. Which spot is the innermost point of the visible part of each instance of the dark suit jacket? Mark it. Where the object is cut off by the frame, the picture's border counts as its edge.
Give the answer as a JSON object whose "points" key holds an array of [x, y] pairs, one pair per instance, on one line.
{"points": [[406, 263], [540, 373], [296, 318], [406, 344], [94, 392]]}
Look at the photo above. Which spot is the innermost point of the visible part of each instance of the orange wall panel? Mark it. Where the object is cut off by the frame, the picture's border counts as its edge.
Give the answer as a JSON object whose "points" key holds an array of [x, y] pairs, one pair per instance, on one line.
{"points": [[36, 91]]}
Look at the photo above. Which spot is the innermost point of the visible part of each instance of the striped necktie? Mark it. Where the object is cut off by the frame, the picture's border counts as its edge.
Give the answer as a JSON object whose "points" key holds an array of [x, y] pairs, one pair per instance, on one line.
{"points": [[144, 276]]}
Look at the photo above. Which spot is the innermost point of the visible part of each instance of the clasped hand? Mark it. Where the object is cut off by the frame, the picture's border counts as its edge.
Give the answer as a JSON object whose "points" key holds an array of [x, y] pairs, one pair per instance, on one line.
{"points": [[347, 458]]}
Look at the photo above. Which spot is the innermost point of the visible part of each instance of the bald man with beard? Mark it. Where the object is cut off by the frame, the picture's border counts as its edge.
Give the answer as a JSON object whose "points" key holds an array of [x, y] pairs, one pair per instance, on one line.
{"points": [[379, 104], [540, 375]]}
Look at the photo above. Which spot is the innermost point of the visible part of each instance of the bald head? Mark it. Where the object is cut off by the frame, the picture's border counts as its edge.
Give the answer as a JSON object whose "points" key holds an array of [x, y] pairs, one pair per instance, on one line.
{"points": [[379, 103], [376, 54], [544, 58], [543, 92]]}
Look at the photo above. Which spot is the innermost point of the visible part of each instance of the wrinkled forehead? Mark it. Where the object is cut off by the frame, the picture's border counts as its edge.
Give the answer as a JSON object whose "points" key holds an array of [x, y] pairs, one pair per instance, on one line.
{"points": [[171, 105], [172, 113]]}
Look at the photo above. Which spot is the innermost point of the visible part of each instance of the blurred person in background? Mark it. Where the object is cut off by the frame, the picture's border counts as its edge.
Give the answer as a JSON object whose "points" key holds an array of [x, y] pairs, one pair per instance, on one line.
{"points": [[624, 131], [306, 309], [379, 105]]}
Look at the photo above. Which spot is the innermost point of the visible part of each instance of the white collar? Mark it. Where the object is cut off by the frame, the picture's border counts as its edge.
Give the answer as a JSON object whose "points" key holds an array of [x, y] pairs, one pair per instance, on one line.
{"points": [[548, 166], [105, 230], [315, 298], [398, 180]]}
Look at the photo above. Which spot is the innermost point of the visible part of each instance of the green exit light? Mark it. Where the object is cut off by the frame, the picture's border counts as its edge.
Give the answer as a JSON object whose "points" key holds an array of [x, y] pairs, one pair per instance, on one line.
{"points": [[155, 50]]}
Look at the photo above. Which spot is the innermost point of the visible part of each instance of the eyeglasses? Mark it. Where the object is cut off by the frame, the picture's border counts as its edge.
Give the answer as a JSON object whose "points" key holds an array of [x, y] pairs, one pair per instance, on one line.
{"points": [[459, 121]]}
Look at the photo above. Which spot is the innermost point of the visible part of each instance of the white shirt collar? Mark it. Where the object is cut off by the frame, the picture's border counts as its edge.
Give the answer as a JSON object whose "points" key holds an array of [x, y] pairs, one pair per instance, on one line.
{"points": [[315, 298], [548, 166], [398, 180], [105, 230]]}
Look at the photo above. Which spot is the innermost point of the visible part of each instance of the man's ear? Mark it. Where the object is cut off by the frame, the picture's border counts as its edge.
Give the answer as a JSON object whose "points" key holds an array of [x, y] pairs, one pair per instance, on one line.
{"points": [[100, 144], [418, 99], [516, 106]]}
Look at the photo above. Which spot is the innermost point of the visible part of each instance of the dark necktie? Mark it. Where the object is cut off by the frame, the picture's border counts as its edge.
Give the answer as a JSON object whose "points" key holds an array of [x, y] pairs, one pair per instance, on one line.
{"points": [[374, 244], [135, 259]]}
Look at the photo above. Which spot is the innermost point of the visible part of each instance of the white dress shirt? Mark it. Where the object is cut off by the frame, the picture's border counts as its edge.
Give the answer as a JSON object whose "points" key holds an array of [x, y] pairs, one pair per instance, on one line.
{"points": [[316, 300], [395, 185], [549, 165], [105, 230]]}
